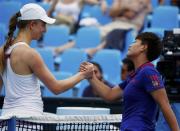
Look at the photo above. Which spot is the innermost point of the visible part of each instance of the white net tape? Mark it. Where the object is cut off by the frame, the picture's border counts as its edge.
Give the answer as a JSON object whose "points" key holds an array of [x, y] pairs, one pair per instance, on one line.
{"points": [[53, 118]]}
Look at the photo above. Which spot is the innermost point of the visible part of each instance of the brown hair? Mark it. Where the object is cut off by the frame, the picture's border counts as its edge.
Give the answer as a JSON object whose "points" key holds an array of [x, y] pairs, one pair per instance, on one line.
{"points": [[13, 23], [12, 27]]}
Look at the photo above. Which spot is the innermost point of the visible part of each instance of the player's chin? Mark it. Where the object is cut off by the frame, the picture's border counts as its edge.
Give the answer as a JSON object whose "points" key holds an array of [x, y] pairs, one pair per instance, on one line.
{"points": [[128, 53]]}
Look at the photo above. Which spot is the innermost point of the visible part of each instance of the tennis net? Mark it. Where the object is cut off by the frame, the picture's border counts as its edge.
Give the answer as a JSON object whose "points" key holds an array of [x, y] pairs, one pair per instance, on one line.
{"points": [[52, 122]]}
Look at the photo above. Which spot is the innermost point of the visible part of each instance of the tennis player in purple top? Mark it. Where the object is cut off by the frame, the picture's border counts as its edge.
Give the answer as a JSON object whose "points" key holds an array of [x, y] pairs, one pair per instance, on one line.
{"points": [[143, 92]]}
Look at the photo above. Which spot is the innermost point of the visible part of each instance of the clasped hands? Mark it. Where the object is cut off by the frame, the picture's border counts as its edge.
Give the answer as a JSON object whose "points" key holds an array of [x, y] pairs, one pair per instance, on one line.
{"points": [[87, 69]]}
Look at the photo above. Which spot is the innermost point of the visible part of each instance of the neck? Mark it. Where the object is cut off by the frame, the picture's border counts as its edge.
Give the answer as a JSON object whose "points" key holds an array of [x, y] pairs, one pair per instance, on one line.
{"points": [[23, 36], [139, 61]]}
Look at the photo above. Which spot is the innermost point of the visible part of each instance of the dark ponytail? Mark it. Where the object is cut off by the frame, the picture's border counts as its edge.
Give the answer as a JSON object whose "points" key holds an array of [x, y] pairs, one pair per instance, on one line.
{"points": [[12, 27]]}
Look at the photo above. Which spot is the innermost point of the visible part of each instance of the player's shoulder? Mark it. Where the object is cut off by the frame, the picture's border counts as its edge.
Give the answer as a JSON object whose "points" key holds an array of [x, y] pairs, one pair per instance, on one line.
{"points": [[149, 70], [27, 53]]}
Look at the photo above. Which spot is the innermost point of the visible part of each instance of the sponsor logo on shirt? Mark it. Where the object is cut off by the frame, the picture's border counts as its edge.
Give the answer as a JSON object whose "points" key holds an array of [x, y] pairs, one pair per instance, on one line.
{"points": [[155, 80]]}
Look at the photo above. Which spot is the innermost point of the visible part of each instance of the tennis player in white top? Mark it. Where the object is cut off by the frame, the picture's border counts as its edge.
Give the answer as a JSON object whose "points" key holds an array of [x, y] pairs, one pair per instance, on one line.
{"points": [[21, 66]]}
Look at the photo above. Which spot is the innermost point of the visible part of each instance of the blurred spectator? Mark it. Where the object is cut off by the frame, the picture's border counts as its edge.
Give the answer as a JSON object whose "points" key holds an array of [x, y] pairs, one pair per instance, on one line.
{"points": [[127, 68], [88, 18], [60, 49], [115, 39], [68, 11], [65, 12], [127, 14], [89, 91], [65, 16]]}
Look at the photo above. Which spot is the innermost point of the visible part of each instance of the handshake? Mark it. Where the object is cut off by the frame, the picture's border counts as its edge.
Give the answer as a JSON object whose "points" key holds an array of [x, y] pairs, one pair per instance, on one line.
{"points": [[87, 70]]}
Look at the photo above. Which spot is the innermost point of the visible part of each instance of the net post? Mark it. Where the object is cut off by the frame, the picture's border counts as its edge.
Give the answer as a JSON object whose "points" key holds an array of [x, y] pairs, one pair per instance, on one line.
{"points": [[12, 124]]}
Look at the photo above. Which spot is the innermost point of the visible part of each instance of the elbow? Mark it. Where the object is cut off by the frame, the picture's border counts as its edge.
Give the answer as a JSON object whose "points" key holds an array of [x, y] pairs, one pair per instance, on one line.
{"points": [[109, 99], [55, 92], [55, 89]]}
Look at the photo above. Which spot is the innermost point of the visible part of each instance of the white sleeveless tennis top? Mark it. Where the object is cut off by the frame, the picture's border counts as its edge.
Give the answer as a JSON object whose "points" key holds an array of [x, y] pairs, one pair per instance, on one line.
{"points": [[22, 92], [72, 9]]}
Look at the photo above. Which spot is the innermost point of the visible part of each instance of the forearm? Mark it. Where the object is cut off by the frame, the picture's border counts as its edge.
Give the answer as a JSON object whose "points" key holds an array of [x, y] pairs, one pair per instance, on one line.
{"points": [[64, 47], [68, 45], [102, 89], [68, 83], [170, 117], [161, 98]]}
